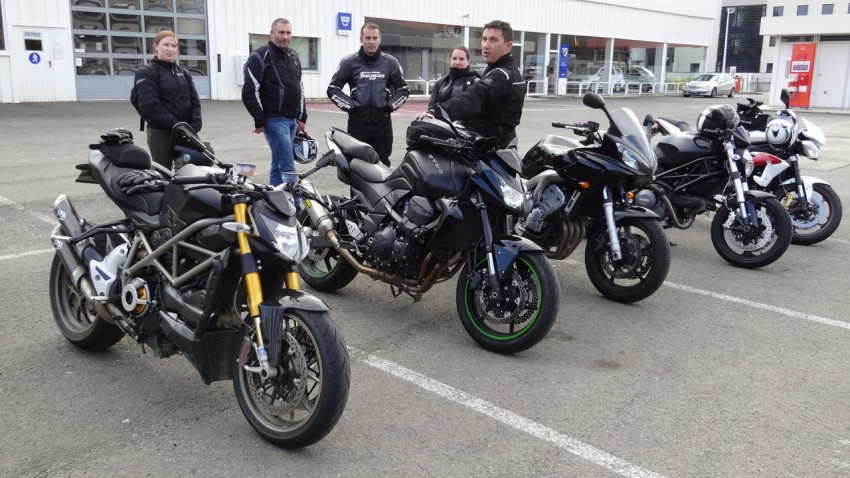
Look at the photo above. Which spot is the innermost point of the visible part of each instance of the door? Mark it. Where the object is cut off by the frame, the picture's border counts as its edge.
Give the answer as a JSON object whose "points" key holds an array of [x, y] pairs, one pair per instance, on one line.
{"points": [[34, 74], [830, 75]]}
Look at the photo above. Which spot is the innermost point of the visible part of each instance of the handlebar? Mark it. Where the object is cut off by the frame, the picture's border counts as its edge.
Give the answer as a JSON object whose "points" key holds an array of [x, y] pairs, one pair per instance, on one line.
{"points": [[582, 129], [211, 178]]}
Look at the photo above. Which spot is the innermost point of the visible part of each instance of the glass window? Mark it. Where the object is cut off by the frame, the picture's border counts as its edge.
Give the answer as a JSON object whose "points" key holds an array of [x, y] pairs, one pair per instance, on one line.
{"points": [[156, 24], [2, 32], [778, 11], [93, 66], [84, 20], [128, 4], [306, 47], [768, 68], [193, 47], [127, 45], [126, 66], [826, 9], [772, 41], [191, 26], [190, 6], [119, 22], [91, 43], [158, 5], [195, 67], [802, 10]]}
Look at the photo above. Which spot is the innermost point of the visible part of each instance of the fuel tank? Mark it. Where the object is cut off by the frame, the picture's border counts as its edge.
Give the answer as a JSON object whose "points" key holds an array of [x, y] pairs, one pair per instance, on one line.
{"points": [[548, 153], [181, 207], [434, 174], [680, 148]]}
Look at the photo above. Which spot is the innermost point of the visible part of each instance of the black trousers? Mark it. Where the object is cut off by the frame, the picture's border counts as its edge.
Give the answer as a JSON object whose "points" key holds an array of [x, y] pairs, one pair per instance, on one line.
{"points": [[377, 134], [160, 146]]}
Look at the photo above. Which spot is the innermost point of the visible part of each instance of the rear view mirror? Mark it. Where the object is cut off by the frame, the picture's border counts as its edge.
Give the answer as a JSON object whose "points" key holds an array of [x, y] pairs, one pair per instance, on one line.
{"points": [[593, 100]]}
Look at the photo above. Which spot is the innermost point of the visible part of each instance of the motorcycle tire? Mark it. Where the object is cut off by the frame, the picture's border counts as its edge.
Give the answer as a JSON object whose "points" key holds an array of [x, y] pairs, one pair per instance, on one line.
{"points": [[304, 403], [532, 289], [323, 268], [738, 249], [75, 317], [644, 264], [816, 222]]}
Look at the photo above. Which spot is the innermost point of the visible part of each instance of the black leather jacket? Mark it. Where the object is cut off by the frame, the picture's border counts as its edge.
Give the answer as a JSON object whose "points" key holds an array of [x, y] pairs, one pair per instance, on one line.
{"points": [[376, 85], [492, 107], [167, 95], [273, 87], [452, 85]]}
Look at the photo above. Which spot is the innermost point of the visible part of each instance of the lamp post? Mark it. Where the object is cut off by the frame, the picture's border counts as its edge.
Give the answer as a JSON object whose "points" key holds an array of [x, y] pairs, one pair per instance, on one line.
{"points": [[729, 11]]}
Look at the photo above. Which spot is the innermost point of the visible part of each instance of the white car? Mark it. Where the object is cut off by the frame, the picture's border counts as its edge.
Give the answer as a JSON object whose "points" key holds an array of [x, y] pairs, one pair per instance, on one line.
{"points": [[710, 84]]}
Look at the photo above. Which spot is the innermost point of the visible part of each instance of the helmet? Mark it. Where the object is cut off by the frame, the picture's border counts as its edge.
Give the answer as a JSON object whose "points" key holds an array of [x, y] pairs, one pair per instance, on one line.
{"points": [[781, 131], [305, 148], [718, 117]]}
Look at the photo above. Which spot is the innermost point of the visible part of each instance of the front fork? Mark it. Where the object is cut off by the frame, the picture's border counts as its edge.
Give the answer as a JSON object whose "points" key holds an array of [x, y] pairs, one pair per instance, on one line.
{"points": [[747, 211], [798, 178], [608, 210], [492, 269], [251, 274]]}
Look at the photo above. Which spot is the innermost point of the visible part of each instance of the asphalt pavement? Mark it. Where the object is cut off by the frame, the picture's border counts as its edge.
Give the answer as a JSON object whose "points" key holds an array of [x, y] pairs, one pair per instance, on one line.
{"points": [[722, 372]]}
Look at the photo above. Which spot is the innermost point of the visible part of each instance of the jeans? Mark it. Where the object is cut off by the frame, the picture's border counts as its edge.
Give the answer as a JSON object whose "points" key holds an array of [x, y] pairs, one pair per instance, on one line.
{"points": [[279, 133]]}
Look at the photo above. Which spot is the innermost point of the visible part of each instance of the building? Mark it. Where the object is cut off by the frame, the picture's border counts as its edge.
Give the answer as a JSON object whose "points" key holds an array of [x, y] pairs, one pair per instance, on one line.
{"points": [[68, 50], [812, 52]]}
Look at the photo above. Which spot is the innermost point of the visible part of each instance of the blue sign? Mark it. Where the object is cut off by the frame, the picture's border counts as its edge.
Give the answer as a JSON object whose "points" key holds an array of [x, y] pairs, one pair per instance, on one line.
{"points": [[563, 61], [343, 23], [35, 58]]}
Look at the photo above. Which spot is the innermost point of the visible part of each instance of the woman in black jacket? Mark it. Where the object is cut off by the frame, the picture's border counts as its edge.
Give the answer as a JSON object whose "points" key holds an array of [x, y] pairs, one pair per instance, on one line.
{"points": [[459, 79], [167, 96]]}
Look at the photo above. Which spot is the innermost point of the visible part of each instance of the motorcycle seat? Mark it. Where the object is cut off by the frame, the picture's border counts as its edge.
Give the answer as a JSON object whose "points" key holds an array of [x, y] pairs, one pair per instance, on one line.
{"points": [[371, 173], [114, 164], [353, 148]]}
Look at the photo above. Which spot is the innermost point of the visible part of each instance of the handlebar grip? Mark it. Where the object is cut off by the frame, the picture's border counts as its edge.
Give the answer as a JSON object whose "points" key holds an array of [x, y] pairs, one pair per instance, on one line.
{"points": [[191, 180], [559, 125]]}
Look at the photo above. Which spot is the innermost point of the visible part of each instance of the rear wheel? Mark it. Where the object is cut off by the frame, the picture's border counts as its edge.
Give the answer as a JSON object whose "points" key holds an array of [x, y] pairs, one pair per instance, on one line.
{"points": [[75, 316], [644, 264], [523, 314], [713, 92], [731, 92], [817, 220], [323, 268], [755, 246], [306, 399]]}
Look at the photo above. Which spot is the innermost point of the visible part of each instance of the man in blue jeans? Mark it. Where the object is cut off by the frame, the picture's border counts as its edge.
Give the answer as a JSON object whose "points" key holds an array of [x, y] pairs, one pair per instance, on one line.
{"points": [[274, 96]]}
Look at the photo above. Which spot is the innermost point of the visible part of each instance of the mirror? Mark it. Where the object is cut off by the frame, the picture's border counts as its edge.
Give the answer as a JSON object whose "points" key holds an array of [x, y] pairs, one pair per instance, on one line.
{"points": [[785, 97], [593, 100]]}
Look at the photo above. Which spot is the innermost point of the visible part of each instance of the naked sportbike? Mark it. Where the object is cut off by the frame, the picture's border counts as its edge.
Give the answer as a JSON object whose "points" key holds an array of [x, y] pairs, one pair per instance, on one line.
{"points": [[202, 263], [446, 209]]}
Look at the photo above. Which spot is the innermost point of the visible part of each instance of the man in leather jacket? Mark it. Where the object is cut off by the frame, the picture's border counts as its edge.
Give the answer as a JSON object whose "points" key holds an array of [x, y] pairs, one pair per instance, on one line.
{"points": [[273, 94], [492, 107], [377, 88]]}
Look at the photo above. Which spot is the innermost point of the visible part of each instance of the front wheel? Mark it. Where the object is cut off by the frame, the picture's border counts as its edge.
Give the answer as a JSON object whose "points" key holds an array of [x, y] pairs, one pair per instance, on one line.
{"points": [[523, 314], [732, 93], [76, 317], [817, 220], [306, 399], [752, 246], [644, 263], [713, 92]]}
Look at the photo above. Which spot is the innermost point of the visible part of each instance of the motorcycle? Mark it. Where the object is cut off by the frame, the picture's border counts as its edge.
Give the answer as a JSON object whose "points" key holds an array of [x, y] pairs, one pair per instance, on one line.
{"points": [[202, 263], [703, 171], [572, 183], [447, 207], [812, 203]]}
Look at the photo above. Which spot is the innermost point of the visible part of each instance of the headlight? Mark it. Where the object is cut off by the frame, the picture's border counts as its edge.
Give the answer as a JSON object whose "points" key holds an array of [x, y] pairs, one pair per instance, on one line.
{"points": [[810, 149], [291, 241], [513, 198], [629, 156], [748, 163]]}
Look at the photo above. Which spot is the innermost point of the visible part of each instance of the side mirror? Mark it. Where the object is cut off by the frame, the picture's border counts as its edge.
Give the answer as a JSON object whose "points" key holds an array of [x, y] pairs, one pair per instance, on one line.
{"points": [[785, 97], [183, 135], [593, 100], [649, 120]]}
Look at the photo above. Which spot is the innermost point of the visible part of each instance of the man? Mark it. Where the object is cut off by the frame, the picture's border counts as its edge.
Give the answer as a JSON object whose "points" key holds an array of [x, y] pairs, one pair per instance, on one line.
{"points": [[274, 96], [377, 88], [493, 106]]}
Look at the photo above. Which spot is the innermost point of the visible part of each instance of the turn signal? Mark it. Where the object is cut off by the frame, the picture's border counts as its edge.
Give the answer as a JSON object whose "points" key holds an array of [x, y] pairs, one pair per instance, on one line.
{"points": [[584, 185]]}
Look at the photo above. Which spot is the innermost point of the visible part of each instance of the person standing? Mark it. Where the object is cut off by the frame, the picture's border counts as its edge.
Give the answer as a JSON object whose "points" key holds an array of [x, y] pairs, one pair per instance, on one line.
{"points": [[376, 87], [492, 107], [273, 94], [459, 79], [166, 96]]}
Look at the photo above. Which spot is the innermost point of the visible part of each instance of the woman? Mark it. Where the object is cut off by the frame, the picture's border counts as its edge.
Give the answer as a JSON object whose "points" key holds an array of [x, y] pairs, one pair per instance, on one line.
{"points": [[456, 82], [167, 96]]}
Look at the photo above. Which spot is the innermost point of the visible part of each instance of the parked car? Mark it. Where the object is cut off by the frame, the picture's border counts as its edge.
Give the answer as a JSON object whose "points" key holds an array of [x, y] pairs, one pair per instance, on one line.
{"points": [[710, 84], [632, 76], [639, 76]]}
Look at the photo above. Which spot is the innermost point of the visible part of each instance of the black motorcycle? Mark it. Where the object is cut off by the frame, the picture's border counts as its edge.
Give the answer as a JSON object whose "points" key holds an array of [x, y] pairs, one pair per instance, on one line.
{"points": [[706, 171], [203, 263], [813, 205], [447, 207], [571, 184]]}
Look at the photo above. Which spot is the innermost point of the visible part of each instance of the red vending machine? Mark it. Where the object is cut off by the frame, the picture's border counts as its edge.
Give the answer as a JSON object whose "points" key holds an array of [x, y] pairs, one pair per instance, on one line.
{"points": [[800, 76]]}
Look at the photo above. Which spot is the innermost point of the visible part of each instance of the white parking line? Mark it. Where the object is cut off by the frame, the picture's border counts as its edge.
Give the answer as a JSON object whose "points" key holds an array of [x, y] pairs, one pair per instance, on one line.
{"points": [[569, 444], [758, 305], [25, 254], [9, 202]]}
